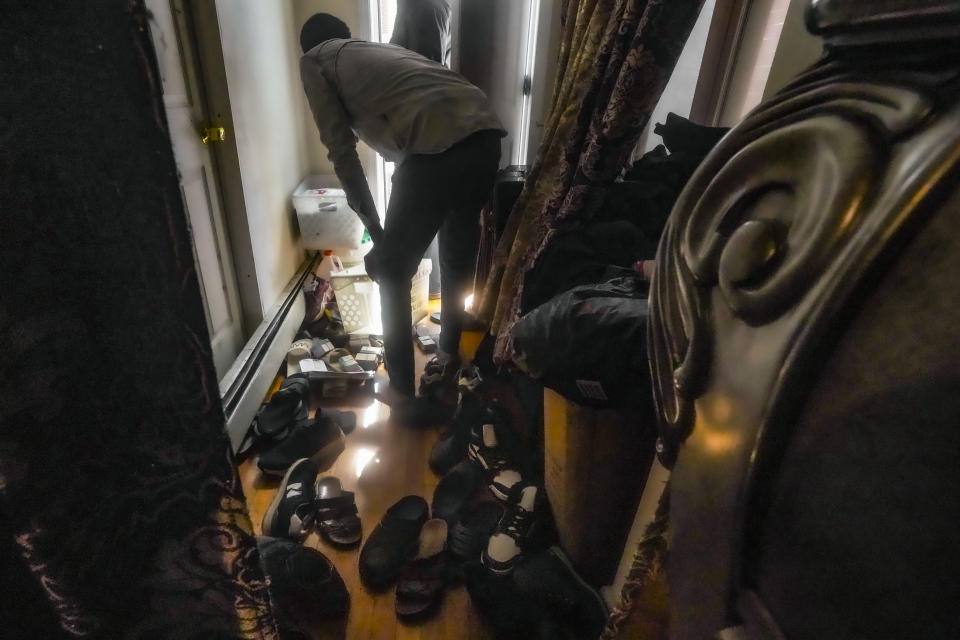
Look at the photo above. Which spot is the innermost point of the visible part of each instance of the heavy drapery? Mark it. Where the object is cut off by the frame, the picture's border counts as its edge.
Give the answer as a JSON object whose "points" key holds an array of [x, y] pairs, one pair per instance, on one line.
{"points": [[615, 59]]}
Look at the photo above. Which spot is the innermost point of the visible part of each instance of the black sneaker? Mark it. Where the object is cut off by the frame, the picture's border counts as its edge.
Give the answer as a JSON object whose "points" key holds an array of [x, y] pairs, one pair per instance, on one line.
{"points": [[470, 535], [514, 533], [321, 439], [438, 376], [451, 447], [287, 408], [292, 510], [455, 491], [491, 448], [548, 578]]}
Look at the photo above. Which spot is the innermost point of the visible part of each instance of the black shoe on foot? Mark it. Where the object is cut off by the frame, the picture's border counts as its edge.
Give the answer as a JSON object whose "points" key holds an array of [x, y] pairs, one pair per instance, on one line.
{"points": [[392, 542], [319, 439], [291, 512], [548, 578], [302, 580]]}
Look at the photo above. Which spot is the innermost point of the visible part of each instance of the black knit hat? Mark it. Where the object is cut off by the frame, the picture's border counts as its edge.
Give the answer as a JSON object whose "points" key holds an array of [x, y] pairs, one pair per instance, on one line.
{"points": [[321, 27]]}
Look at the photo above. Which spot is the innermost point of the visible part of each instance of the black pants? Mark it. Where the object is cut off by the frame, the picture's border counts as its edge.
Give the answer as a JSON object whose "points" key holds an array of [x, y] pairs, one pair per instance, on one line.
{"points": [[445, 192]]}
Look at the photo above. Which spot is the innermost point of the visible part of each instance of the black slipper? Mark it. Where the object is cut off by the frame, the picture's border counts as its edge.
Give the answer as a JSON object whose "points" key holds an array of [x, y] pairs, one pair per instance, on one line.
{"points": [[336, 513], [456, 490], [392, 542], [421, 583], [287, 407], [346, 419]]}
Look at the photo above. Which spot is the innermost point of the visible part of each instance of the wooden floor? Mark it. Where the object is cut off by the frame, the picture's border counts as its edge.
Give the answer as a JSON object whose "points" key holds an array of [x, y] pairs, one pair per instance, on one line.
{"points": [[382, 463]]}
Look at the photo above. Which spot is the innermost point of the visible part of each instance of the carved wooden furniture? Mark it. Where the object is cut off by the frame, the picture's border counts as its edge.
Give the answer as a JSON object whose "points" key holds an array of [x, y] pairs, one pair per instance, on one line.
{"points": [[805, 346]]}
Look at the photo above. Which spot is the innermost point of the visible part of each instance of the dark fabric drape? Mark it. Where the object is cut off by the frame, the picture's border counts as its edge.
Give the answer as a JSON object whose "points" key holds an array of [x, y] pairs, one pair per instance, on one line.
{"points": [[615, 59], [122, 513]]}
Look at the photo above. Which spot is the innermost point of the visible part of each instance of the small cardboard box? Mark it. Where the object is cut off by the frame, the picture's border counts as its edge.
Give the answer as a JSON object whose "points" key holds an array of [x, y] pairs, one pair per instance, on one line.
{"points": [[595, 465]]}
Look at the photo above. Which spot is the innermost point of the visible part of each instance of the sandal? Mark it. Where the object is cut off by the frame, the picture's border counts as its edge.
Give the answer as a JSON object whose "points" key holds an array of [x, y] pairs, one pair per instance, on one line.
{"points": [[421, 582], [337, 517]]}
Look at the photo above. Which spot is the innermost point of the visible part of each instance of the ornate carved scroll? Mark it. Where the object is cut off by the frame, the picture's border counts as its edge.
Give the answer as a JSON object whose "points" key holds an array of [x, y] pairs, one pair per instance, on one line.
{"points": [[769, 247]]}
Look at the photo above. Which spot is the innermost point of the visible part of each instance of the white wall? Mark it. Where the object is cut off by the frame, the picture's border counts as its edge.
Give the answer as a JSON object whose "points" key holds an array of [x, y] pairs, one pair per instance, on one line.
{"points": [[491, 40], [549, 34], [355, 14], [260, 61], [678, 94], [758, 45], [796, 49]]}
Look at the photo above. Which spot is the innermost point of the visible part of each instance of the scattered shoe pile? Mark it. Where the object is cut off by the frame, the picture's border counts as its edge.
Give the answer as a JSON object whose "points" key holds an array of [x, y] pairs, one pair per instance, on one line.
{"points": [[498, 546], [410, 548], [302, 502], [284, 427], [301, 578]]}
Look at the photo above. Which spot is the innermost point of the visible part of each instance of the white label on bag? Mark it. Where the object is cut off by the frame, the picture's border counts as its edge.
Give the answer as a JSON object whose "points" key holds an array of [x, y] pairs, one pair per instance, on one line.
{"points": [[591, 389], [308, 365]]}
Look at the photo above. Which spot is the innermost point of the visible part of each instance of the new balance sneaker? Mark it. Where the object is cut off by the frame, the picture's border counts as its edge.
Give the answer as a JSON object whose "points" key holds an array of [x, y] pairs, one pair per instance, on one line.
{"points": [[292, 510], [489, 448], [548, 578], [320, 439], [513, 534]]}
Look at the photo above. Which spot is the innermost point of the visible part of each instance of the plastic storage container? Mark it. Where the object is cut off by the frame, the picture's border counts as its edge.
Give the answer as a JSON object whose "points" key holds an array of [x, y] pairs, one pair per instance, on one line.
{"points": [[358, 298], [325, 219]]}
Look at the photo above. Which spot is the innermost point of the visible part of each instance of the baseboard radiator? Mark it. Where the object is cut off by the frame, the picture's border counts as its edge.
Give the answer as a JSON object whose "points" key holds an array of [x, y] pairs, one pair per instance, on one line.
{"points": [[246, 383]]}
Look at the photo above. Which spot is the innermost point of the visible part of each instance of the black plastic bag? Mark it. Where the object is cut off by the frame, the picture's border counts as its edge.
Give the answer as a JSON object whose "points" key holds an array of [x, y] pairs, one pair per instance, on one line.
{"points": [[589, 344]]}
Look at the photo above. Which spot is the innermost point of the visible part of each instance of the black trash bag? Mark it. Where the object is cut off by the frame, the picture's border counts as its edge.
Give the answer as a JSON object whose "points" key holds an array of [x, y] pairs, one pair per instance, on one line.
{"points": [[589, 344]]}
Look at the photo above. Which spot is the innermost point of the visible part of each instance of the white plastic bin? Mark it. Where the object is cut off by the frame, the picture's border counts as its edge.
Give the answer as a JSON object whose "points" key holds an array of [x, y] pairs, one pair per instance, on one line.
{"points": [[358, 298], [325, 219]]}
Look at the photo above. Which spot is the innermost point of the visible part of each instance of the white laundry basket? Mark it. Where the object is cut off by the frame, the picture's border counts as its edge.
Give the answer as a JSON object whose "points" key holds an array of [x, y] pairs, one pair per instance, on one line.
{"points": [[358, 298], [326, 220]]}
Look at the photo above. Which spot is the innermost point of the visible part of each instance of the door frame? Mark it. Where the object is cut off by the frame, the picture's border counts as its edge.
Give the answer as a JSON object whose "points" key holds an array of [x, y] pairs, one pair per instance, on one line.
{"points": [[204, 31]]}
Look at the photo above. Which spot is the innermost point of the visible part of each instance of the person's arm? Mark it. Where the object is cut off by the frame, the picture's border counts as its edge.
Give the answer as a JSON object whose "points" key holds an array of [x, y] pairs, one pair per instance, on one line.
{"points": [[335, 132]]}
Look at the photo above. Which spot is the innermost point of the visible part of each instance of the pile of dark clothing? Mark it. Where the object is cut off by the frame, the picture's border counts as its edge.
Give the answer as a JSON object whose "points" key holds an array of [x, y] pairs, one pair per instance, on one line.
{"points": [[583, 332]]}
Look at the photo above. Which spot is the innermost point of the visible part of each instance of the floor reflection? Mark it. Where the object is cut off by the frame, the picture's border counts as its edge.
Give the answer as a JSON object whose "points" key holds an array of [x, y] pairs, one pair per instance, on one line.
{"points": [[362, 457]]}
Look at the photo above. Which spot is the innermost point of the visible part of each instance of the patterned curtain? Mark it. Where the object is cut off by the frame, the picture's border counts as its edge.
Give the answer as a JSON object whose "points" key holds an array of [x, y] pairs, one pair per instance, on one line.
{"points": [[615, 59], [121, 514]]}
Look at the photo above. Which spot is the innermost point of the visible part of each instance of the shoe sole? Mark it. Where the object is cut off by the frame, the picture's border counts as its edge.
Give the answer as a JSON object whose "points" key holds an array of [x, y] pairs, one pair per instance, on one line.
{"points": [[297, 528], [487, 562]]}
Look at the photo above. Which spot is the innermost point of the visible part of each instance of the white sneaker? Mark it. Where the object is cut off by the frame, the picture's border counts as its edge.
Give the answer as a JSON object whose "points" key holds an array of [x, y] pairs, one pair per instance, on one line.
{"points": [[512, 534]]}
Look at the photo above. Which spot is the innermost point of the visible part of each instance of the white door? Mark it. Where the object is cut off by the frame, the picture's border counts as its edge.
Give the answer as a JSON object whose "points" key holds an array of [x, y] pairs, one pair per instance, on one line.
{"points": [[184, 100]]}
